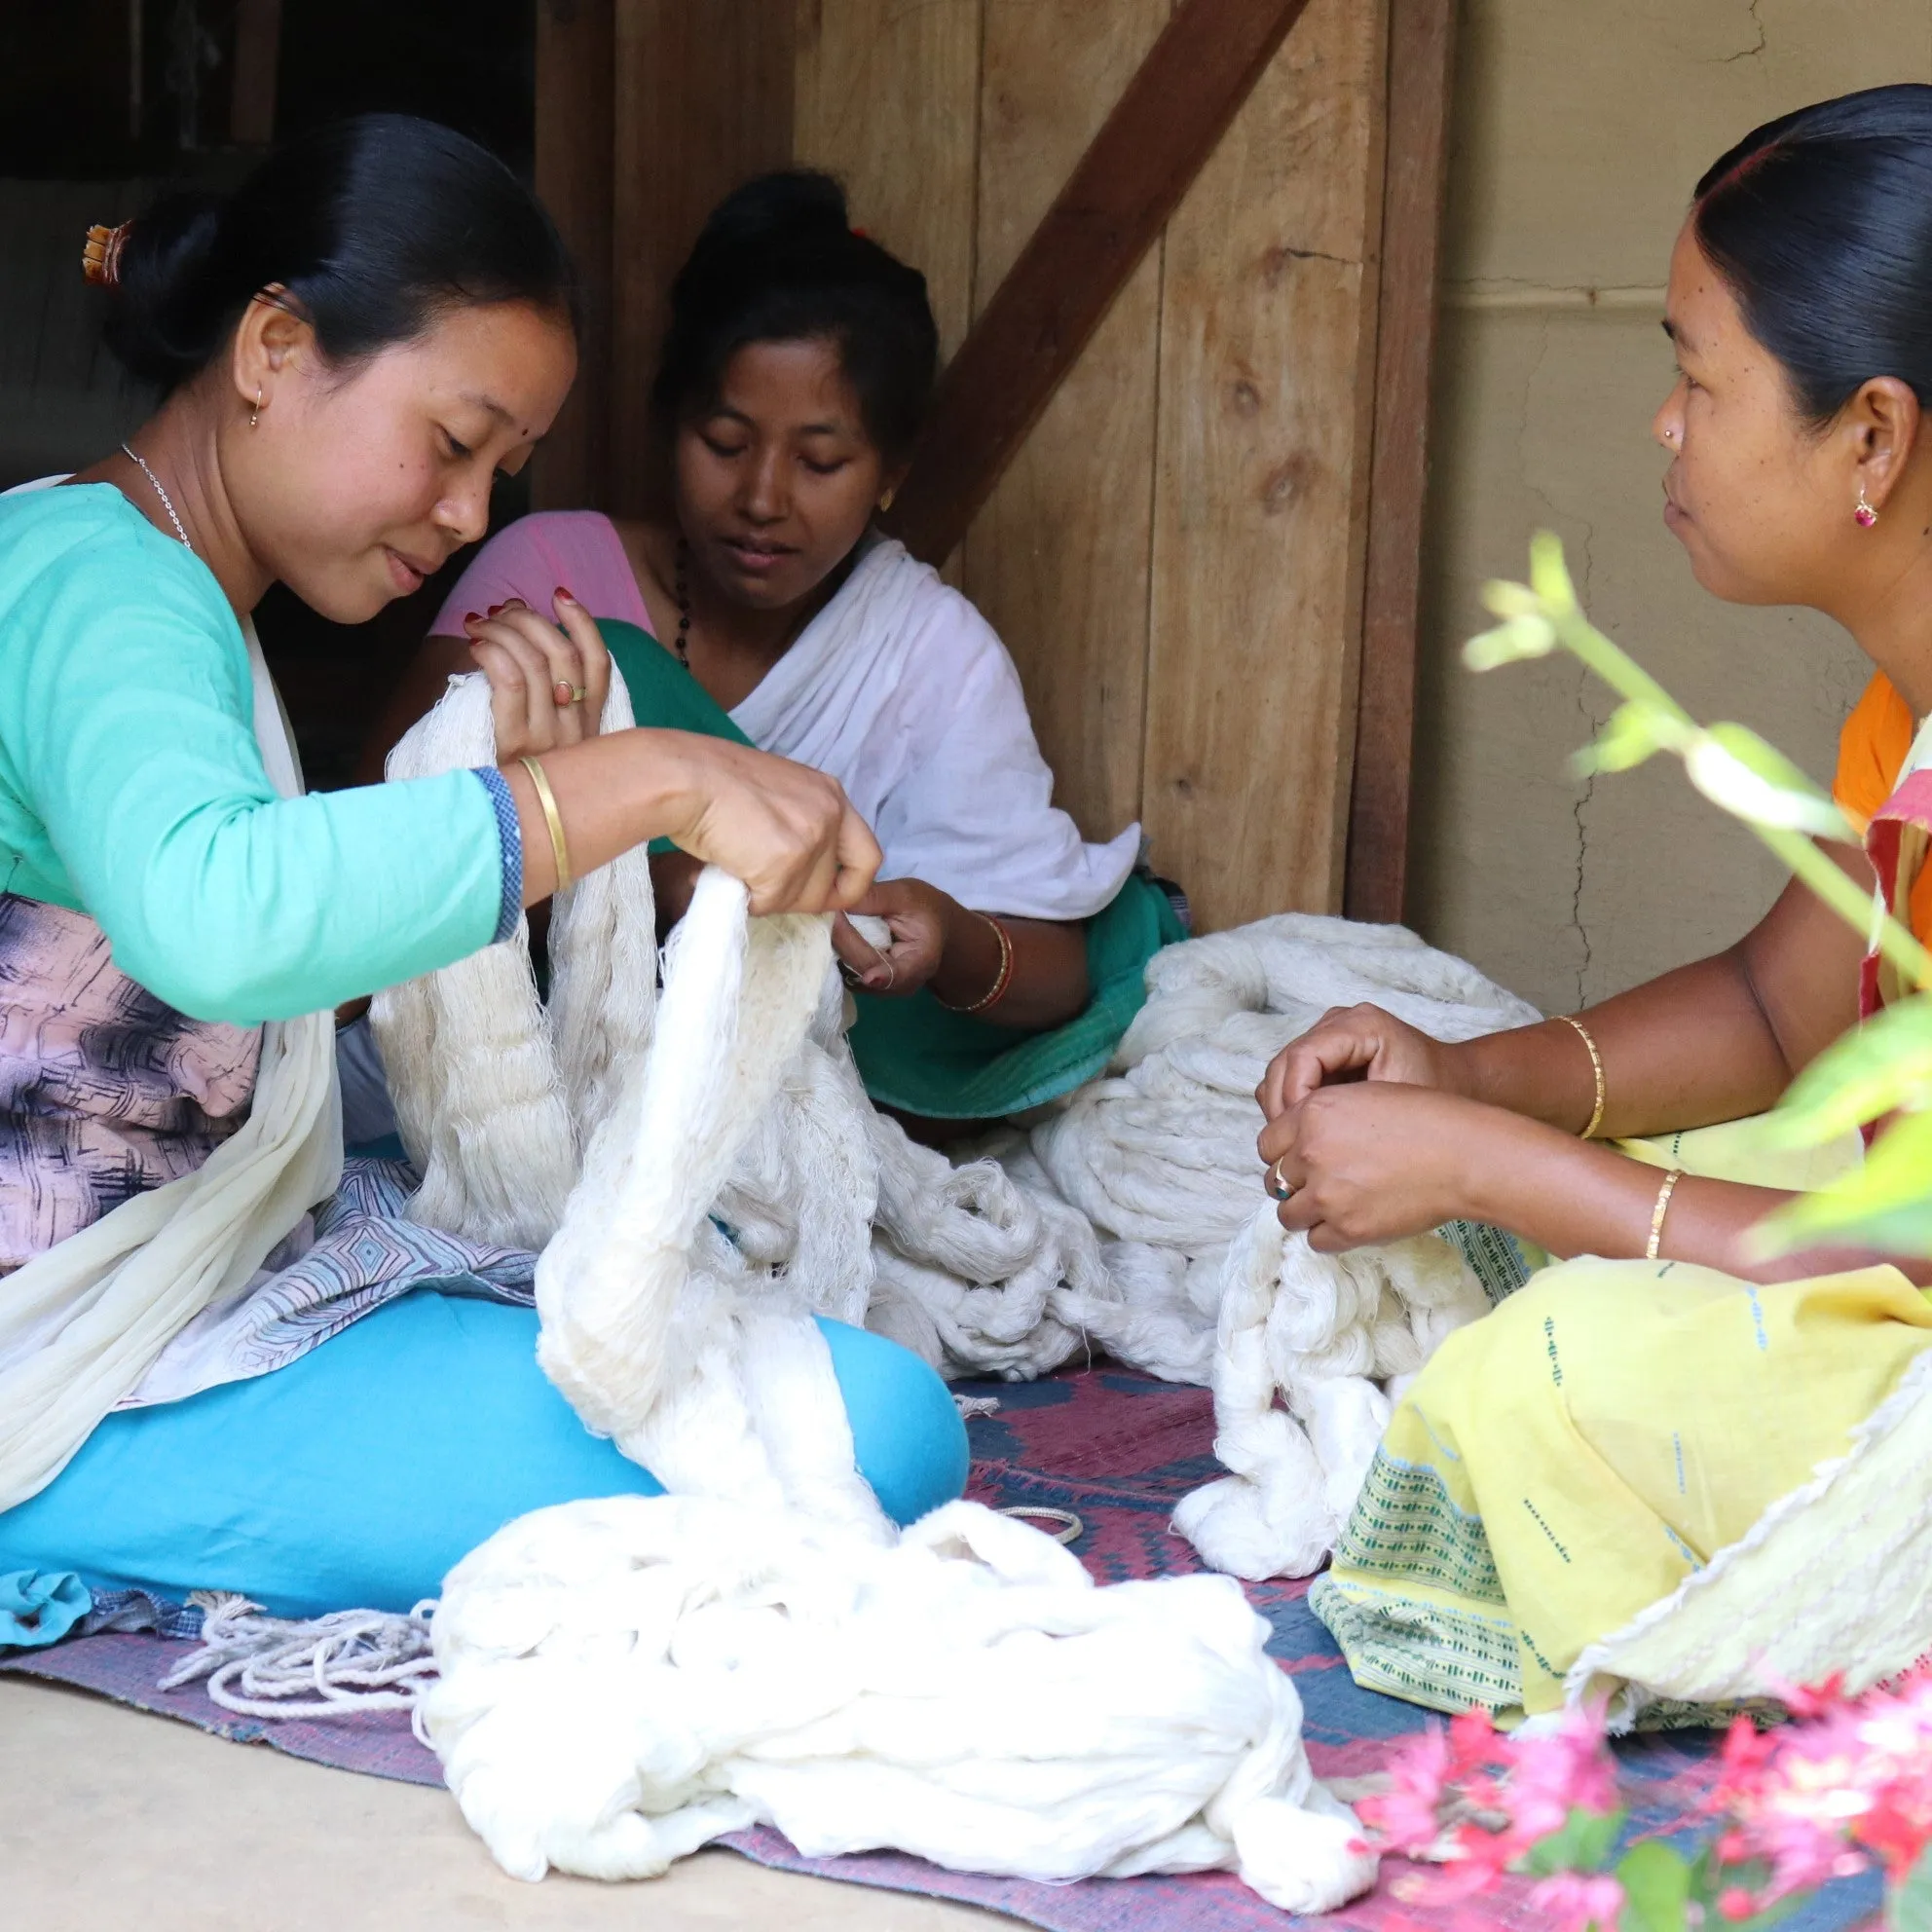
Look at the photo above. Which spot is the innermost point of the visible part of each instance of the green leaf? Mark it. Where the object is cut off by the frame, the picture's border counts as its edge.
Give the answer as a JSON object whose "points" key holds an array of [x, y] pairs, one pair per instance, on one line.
{"points": [[1583, 1844], [1910, 1908], [1735, 768], [1772, 764], [1503, 599], [1657, 1887], [1636, 731], [1877, 1068], [1549, 576], [1527, 636], [1885, 1203]]}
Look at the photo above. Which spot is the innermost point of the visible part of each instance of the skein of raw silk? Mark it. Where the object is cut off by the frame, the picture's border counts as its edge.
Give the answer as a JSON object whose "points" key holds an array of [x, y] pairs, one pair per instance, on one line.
{"points": [[625, 1679], [496, 1093], [1159, 1156], [497, 1096], [1325, 1330]]}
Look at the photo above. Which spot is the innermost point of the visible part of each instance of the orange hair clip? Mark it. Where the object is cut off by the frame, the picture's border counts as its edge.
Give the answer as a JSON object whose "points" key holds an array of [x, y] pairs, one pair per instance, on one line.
{"points": [[101, 258]]}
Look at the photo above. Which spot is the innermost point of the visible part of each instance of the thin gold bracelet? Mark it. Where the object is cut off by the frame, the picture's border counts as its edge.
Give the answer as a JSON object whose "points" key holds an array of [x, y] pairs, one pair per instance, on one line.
{"points": [[1002, 979], [1657, 1212], [1596, 1068], [560, 851]]}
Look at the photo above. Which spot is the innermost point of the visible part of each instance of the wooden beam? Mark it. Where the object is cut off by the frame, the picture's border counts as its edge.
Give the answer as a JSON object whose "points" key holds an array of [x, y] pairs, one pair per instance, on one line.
{"points": [[704, 100], [1167, 124], [1268, 340], [1421, 64], [1058, 557], [575, 160], [888, 100], [257, 44]]}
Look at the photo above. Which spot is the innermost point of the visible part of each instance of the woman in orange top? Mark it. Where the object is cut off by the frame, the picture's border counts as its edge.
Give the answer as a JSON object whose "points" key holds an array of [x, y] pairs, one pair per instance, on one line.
{"points": [[1801, 472], [1566, 1464]]}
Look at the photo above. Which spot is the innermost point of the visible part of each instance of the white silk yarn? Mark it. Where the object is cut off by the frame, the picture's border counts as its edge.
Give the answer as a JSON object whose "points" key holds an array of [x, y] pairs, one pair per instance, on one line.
{"points": [[1110, 1227], [494, 1092], [1160, 1158], [1331, 1333], [624, 1680]]}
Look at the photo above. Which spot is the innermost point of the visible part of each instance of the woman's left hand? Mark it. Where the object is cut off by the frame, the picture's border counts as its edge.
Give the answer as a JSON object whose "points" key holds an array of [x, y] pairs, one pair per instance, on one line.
{"points": [[919, 917], [1375, 1161]]}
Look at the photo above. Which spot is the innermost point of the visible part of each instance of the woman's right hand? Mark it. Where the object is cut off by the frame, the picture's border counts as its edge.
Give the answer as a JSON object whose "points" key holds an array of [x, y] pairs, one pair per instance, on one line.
{"points": [[786, 830], [1354, 1043]]}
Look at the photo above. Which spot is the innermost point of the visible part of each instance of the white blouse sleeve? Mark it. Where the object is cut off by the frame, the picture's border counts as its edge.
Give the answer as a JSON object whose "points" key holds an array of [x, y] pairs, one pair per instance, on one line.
{"points": [[971, 806]]}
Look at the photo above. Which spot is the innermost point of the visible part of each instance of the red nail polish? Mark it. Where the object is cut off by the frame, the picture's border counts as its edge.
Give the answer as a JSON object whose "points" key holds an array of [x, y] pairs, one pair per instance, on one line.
{"points": [[472, 616], [495, 607], [567, 594]]}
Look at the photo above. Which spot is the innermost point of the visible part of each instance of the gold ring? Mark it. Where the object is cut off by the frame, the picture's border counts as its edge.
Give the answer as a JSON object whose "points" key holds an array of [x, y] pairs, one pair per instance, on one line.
{"points": [[1282, 1188], [566, 693]]}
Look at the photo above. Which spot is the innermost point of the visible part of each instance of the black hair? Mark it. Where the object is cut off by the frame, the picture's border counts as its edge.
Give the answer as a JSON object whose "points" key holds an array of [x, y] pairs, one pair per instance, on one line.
{"points": [[1821, 224], [779, 261], [373, 225]]}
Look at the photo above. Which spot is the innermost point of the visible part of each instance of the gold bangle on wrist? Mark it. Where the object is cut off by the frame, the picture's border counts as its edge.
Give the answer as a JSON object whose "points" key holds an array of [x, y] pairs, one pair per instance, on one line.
{"points": [[1657, 1212], [560, 851], [1596, 1068], [1002, 979]]}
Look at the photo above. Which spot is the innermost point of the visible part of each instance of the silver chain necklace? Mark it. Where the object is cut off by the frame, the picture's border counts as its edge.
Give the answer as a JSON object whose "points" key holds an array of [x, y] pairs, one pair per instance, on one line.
{"points": [[167, 502]]}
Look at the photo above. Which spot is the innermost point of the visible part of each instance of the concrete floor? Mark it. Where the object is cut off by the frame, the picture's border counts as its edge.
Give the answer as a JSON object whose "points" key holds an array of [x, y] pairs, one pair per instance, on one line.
{"points": [[112, 1817]]}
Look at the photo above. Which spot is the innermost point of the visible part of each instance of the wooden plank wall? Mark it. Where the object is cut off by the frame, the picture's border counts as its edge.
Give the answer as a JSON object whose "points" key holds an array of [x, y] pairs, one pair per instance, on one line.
{"points": [[1174, 558], [648, 113]]}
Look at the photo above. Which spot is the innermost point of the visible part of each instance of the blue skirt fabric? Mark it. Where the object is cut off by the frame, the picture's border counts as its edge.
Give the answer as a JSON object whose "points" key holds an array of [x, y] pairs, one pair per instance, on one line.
{"points": [[359, 1475]]}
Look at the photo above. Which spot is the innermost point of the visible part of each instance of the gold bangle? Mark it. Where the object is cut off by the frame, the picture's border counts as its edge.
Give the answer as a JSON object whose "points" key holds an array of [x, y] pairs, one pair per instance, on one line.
{"points": [[1596, 1068], [1657, 1212], [1002, 979], [560, 851]]}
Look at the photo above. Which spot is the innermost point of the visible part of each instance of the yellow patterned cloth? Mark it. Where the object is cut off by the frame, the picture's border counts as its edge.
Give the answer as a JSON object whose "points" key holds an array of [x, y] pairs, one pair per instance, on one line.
{"points": [[1566, 1461]]}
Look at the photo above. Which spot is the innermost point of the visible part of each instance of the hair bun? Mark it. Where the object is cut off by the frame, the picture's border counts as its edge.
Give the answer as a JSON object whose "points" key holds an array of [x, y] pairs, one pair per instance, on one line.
{"points": [[793, 203], [158, 325]]}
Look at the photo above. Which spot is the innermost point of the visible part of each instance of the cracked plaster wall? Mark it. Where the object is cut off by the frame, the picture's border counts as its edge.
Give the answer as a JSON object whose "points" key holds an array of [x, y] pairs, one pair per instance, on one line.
{"points": [[1580, 127]]}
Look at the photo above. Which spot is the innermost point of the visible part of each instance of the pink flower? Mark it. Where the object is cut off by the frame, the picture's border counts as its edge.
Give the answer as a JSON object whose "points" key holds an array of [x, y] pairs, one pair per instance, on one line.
{"points": [[1405, 1815], [1473, 1740], [1558, 1772], [1575, 1901]]}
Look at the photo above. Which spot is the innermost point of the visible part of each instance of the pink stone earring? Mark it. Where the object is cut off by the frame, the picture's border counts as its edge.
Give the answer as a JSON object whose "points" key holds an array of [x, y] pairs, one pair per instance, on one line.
{"points": [[1866, 516]]}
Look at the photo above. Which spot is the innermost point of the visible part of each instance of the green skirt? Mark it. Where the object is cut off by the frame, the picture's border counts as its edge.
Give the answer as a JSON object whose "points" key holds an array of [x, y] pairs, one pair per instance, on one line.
{"points": [[913, 1053]]}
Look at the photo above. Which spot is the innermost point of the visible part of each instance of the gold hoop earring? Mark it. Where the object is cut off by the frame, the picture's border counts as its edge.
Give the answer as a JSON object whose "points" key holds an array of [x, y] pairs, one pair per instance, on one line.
{"points": [[886, 501], [255, 414]]}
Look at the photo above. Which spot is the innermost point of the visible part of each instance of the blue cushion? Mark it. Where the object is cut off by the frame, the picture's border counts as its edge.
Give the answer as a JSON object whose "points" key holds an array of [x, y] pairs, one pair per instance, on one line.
{"points": [[359, 1475]]}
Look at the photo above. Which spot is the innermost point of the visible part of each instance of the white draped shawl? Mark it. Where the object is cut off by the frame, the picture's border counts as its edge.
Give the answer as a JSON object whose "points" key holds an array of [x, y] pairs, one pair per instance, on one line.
{"points": [[81, 1324], [904, 693]]}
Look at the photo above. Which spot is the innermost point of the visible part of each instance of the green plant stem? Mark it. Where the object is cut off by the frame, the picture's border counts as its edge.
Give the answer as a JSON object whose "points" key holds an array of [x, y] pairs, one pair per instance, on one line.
{"points": [[1850, 902], [1629, 679]]}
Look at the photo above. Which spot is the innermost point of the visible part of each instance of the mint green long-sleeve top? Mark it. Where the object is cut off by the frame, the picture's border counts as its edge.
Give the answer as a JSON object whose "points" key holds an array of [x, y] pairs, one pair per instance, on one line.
{"points": [[131, 789]]}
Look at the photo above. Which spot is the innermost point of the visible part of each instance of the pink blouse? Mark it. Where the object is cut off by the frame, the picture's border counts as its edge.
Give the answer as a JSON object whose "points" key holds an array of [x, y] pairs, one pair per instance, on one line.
{"points": [[574, 550]]}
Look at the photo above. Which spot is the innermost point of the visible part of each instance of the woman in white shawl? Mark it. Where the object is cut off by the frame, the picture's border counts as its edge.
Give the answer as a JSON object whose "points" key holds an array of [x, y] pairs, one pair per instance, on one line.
{"points": [[763, 606]]}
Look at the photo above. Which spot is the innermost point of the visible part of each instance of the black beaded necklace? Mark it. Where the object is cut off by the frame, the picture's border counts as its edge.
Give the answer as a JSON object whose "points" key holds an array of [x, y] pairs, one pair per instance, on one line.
{"points": [[680, 592]]}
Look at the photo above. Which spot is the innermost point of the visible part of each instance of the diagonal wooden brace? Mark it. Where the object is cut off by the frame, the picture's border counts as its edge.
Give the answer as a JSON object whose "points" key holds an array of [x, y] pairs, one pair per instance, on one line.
{"points": [[1168, 122]]}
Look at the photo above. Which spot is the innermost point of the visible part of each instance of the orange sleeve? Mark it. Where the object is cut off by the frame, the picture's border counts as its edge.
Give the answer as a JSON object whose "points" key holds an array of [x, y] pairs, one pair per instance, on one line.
{"points": [[1871, 751]]}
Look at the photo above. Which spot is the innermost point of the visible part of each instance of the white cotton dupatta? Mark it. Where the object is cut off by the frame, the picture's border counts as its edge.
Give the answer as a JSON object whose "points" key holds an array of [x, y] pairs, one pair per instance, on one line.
{"points": [[81, 1324], [859, 694]]}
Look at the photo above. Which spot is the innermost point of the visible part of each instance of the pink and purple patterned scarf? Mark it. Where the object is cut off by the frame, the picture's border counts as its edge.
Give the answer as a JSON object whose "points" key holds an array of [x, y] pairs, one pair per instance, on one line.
{"points": [[105, 1091]]}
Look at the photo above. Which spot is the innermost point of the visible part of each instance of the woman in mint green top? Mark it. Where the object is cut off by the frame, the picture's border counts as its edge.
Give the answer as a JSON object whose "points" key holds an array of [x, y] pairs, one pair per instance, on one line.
{"points": [[350, 349], [133, 789]]}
